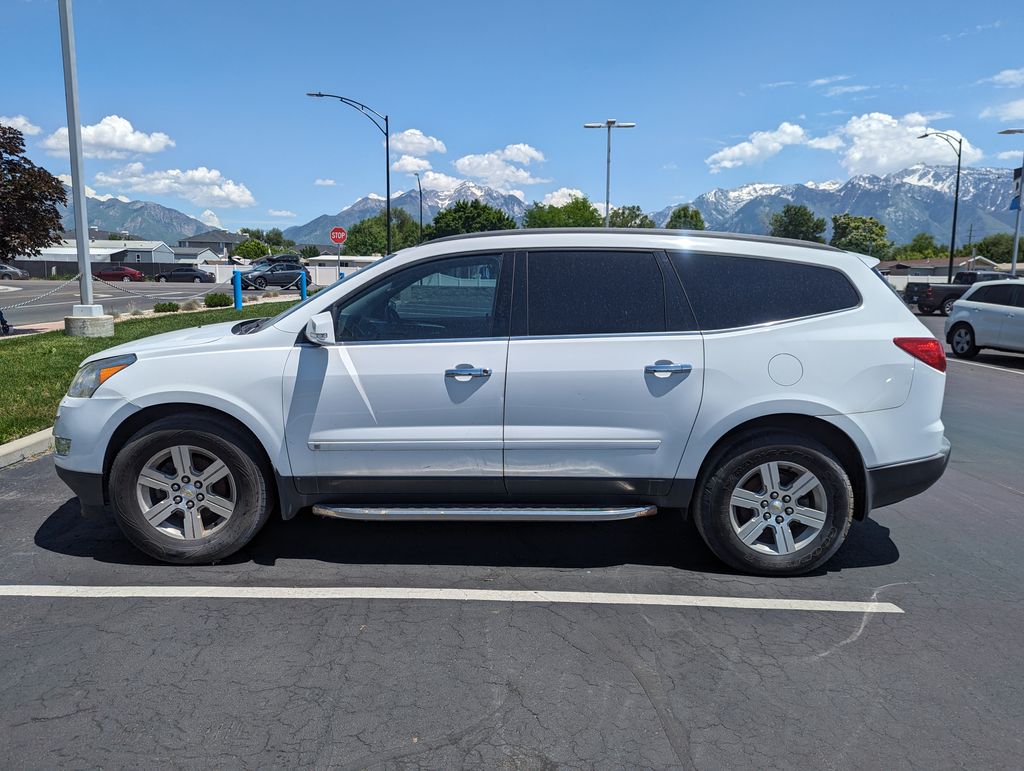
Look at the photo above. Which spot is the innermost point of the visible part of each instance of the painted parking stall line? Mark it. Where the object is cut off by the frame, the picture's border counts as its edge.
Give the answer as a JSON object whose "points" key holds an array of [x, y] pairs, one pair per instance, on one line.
{"points": [[450, 595]]}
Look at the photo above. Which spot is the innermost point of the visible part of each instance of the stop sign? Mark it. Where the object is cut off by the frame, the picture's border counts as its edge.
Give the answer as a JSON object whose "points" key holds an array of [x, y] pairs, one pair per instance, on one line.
{"points": [[338, 235]]}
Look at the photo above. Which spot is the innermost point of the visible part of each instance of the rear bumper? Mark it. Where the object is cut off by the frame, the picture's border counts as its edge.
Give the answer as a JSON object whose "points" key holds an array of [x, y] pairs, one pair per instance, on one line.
{"points": [[892, 484], [88, 487]]}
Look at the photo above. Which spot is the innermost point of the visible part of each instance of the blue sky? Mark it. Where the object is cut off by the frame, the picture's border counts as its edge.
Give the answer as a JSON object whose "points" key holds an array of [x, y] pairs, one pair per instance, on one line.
{"points": [[201, 105]]}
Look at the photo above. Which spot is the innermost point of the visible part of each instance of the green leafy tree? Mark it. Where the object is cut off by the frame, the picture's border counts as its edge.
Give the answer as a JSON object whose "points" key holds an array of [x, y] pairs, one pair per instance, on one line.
{"points": [[468, 217], [369, 237], [275, 237], [251, 249], [921, 247], [256, 233], [864, 235], [629, 217], [686, 217], [309, 252], [577, 213], [29, 197], [797, 221], [997, 247]]}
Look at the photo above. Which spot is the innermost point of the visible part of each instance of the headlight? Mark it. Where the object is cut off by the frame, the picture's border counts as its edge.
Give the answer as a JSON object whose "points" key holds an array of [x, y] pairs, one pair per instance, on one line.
{"points": [[95, 373]]}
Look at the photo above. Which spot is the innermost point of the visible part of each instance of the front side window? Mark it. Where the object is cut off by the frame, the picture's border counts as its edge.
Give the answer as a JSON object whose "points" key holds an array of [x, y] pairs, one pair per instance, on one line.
{"points": [[594, 293], [729, 291], [454, 298], [994, 295]]}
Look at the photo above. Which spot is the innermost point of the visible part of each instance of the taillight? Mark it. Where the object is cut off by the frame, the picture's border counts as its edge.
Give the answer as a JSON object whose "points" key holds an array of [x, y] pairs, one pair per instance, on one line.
{"points": [[927, 349], [928, 292]]}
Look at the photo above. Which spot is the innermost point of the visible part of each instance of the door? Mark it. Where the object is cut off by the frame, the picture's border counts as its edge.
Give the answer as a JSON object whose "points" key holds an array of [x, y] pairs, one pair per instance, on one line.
{"points": [[990, 311], [605, 373], [1011, 333], [412, 398]]}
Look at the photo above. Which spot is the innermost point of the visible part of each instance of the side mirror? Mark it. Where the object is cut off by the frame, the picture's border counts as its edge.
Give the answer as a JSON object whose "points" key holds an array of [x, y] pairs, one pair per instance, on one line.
{"points": [[320, 329]]}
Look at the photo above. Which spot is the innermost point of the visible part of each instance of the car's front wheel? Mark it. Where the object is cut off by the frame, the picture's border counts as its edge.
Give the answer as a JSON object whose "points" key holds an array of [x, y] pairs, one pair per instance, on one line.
{"points": [[197, 280], [162, 279], [947, 306], [189, 490], [261, 283], [962, 342], [778, 504], [126, 280]]}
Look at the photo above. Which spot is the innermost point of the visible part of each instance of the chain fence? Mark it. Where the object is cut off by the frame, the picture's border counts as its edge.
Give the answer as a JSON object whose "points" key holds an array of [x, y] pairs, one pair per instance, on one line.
{"points": [[40, 297]]}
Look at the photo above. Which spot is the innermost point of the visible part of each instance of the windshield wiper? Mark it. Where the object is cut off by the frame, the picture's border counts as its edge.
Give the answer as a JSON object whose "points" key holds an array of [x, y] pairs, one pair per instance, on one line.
{"points": [[248, 326]]}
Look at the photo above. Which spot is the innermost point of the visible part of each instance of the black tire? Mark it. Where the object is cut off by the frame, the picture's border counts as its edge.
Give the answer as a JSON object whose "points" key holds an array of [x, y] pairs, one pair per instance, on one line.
{"points": [[162, 279], [6, 276], [197, 281], [253, 504], [126, 279], [962, 341], [712, 508], [924, 310], [947, 306], [261, 283]]}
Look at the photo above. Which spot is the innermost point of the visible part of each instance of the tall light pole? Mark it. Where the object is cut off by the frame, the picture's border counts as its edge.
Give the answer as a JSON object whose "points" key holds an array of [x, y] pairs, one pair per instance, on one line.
{"points": [[610, 123], [1020, 205], [376, 118], [419, 188], [958, 148]]}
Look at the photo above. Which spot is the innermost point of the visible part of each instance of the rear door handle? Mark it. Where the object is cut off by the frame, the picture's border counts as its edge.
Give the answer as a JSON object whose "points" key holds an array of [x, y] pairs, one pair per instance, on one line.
{"points": [[664, 369], [461, 372]]}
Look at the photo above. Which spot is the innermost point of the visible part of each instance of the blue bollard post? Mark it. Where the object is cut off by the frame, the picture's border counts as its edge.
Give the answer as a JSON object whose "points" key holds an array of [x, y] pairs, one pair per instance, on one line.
{"points": [[302, 285], [236, 285]]}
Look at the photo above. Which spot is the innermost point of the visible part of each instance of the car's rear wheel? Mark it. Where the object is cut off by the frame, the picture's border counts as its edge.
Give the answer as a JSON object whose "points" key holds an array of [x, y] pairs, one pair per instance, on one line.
{"points": [[261, 283], [197, 280], [924, 310], [126, 279], [189, 490], [777, 504], [947, 306], [6, 276], [961, 341], [162, 279]]}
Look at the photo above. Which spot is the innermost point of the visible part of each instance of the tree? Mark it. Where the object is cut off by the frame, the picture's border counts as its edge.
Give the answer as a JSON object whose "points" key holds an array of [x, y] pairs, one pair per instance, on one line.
{"points": [[629, 217], [998, 246], [864, 235], [577, 213], [369, 237], [468, 217], [921, 247], [256, 233], [309, 252], [686, 217], [799, 222], [251, 249], [29, 197]]}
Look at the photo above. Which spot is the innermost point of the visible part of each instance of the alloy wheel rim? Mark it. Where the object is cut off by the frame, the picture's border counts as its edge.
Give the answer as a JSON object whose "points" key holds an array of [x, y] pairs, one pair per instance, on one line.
{"points": [[778, 508], [186, 492], [961, 340]]}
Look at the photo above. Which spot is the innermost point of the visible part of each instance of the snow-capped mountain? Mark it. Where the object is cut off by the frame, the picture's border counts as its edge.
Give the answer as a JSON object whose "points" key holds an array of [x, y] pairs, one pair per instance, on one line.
{"points": [[910, 201], [317, 231]]}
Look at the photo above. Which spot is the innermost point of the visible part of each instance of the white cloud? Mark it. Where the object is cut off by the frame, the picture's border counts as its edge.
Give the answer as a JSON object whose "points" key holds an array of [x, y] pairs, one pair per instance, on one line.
{"points": [[562, 196], [20, 122], [779, 84], [324, 182], [827, 142], [209, 217], [112, 137], [975, 30], [840, 90], [829, 79], [415, 142], [757, 148], [1002, 79], [497, 169], [201, 186], [1009, 155], [879, 143], [281, 213], [409, 164], [1005, 112], [66, 179], [435, 180]]}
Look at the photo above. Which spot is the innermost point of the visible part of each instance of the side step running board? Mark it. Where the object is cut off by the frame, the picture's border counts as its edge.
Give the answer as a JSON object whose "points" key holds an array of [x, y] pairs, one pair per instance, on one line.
{"points": [[493, 513]]}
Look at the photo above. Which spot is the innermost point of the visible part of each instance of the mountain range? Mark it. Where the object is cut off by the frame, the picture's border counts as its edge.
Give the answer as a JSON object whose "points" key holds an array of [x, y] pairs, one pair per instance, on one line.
{"points": [[910, 201]]}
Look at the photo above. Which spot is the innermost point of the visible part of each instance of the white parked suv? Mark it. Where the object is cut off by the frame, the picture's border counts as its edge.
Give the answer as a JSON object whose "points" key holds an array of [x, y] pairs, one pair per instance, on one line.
{"points": [[989, 315], [776, 390]]}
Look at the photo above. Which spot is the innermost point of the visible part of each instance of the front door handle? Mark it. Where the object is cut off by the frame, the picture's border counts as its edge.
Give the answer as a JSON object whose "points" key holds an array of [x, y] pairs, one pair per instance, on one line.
{"points": [[467, 372], [667, 369]]}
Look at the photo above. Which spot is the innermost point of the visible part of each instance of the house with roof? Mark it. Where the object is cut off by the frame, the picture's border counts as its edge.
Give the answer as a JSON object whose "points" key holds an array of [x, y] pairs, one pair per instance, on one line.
{"points": [[195, 255], [220, 242]]}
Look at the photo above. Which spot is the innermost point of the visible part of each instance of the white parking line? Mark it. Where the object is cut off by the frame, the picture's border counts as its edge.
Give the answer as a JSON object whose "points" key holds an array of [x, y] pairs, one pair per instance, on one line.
{"points": [[458, 595], [987, 366]]}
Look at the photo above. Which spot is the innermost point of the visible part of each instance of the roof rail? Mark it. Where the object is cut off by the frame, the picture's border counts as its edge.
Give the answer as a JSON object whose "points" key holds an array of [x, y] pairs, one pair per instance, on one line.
{"points": [[710, 234]]}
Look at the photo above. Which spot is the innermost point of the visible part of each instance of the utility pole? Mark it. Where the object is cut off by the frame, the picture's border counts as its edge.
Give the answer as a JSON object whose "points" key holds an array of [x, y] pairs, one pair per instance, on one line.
{"points": [[610, 123], [87, 319]]}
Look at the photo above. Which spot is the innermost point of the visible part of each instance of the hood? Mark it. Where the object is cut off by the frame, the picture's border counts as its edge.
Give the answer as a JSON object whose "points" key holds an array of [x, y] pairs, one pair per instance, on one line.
{"points": [[168, 342]]}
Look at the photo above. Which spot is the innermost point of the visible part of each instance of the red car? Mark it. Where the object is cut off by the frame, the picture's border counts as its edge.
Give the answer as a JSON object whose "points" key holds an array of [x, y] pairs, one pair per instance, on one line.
{"points": [[120, 273]]}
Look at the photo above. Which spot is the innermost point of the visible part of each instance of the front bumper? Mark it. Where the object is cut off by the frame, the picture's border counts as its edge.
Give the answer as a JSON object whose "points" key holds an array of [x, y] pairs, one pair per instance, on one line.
{"points": [[88, 487], [892, 484]]}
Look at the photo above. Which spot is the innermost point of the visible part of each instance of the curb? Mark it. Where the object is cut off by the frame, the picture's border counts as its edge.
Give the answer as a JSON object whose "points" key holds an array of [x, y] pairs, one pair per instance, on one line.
{"points": [[26, 447]]}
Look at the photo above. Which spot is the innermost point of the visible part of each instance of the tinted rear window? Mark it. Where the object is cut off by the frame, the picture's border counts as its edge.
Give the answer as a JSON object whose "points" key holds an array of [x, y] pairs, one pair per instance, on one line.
{"points": [[995, 295], [593, 293], [727, 291]]}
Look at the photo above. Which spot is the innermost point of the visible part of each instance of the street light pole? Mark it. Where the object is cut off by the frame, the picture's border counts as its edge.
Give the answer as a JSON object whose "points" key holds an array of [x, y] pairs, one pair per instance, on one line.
{"points": [[419, 188], [958, 148], [1020, 205], [376, 118], [610, 123]]}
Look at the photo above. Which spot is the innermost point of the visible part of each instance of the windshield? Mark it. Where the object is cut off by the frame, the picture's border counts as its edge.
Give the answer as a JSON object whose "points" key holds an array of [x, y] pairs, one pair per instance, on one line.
{"points": [[266, 322]]}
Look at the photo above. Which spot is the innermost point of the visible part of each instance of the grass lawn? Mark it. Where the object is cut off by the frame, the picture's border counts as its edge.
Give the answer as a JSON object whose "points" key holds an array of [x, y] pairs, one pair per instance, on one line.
{"points": [[36, 370]]}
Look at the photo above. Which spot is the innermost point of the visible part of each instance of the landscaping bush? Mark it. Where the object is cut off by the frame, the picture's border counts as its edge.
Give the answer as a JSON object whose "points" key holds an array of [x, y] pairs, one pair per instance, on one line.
{"points": [[217, 300], [191, 305], [166, 307]]}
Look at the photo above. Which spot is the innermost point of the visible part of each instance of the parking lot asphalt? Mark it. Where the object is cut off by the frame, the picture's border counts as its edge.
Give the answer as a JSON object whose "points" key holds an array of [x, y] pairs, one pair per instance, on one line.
{"points": [[120, 297], [372, 682]]}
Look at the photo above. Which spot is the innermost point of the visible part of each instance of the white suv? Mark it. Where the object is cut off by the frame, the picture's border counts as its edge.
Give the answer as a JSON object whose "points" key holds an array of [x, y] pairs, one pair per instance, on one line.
{"points": [[989, 315], [777, 390]]}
